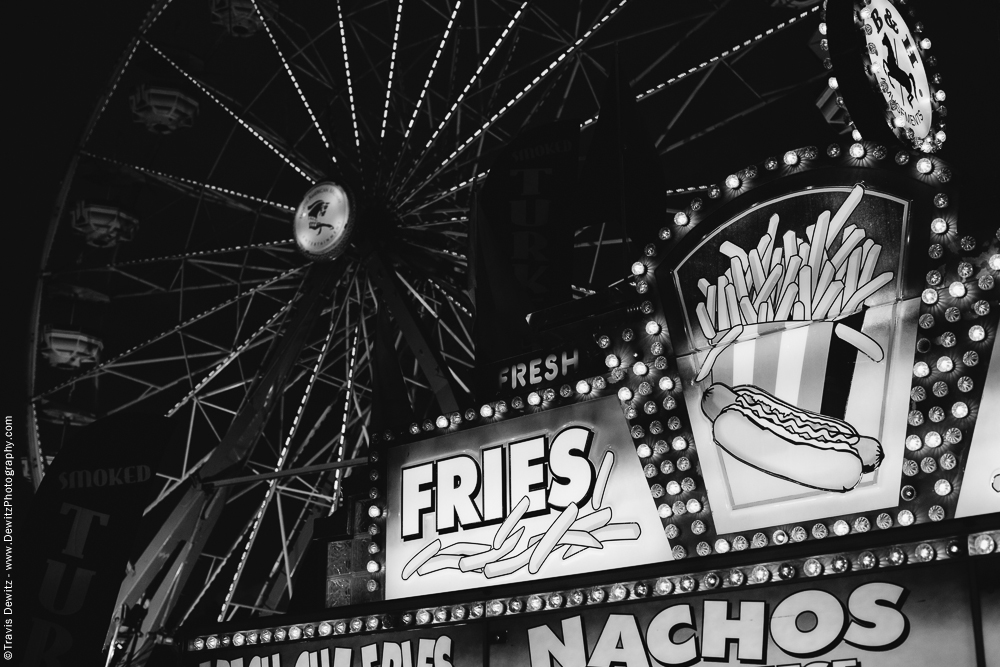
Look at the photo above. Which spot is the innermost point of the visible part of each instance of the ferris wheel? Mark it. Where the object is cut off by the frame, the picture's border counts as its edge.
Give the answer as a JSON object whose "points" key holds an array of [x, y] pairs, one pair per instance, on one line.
{"points": [[267, 190]]}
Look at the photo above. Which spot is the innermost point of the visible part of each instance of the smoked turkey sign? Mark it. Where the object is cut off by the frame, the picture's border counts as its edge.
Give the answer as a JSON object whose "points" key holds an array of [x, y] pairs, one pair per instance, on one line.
{"points": [[545, 495]]}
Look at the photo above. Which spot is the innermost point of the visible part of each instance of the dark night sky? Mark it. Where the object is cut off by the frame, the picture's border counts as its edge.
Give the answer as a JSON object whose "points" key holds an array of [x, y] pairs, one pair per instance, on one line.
{"points": [[59, 57]]}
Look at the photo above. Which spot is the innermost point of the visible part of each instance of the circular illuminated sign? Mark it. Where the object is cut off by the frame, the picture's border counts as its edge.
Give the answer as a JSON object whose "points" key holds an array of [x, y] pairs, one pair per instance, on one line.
{"points": [[324, 221], [898, 68]]}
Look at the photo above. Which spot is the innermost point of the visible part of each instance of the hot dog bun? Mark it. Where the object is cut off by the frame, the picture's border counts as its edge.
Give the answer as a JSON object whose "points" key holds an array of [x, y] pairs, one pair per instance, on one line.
{"points": [[716, 399], [815, 467], [782, 440]]}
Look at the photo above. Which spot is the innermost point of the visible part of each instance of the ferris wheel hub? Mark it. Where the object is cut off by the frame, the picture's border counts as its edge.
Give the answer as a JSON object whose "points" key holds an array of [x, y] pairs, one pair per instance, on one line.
{"points": [[324, 221]]}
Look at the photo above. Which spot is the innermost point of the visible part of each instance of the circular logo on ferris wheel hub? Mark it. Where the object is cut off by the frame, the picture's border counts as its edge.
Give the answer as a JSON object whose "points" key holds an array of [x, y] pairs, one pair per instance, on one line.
{"points": [[324, 221], [897, 67]]}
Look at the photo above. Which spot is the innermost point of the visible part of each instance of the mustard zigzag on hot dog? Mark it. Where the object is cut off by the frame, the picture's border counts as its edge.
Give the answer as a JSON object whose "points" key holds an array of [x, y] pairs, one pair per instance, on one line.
{"points": [[792, 423], [787, 442]]}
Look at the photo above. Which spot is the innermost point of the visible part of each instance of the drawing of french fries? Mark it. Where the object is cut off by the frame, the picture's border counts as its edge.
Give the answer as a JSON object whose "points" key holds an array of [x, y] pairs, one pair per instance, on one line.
{"points": [[795, 280], [577, 528]]}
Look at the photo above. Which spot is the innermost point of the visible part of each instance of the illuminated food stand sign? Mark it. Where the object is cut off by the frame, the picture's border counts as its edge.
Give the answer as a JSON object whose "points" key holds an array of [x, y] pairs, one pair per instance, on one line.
{"points": [[546, 495], [811, 354], [864, 620]]}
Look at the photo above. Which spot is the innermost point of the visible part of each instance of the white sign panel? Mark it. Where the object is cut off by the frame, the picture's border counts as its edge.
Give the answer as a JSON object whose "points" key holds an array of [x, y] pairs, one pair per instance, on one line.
{"points": [[551, 494], [798, 404]]}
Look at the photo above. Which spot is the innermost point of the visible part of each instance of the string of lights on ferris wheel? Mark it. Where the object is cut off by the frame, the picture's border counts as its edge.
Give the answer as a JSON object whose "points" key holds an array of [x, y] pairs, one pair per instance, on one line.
{"points": [[461, 97], [247, 126], [427, 80], [273, 483], [175, 329], [713, 60], [228, 360], [147, 23], [291, 75], [642, 96], [342, 439], [185, 255], [517, 98], [392, 68], [350, 84], [189, 181]]}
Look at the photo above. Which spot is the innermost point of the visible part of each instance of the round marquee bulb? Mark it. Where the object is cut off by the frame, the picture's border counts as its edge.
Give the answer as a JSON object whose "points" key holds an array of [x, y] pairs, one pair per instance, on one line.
{"points": [[857, 150], [925, 43], [791, 158], [732, 181], [638, 269], [486, 410], [939, 226], [856, 135], [957, 289], [611, 361], [643, 451], [832, 82], [945, 364], [640, 368], [583, 387], [929, 296], [925, 166], [652, 327], [921, 369], [625, 394], [977, 333], [681, 218], [994, 262], [442, 422], [534, 398]]}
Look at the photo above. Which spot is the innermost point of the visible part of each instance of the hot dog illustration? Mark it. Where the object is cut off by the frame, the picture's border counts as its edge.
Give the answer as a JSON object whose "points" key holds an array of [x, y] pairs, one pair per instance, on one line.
{"points": [[782, 440]]}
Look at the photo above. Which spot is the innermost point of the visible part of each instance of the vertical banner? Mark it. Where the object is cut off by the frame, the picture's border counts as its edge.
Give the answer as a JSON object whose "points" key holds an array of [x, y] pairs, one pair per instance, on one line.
{"points": [[528, 201], [521, 240], [79, 529]]}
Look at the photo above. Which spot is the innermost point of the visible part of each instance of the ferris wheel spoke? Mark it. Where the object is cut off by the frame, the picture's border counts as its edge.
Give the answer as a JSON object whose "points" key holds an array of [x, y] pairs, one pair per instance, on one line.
{"points": [[517, 98], [295, 82], [350, 85], [225, 196], [240, 349], [271, 248], [461, 96], [392, 69], [151, 17], [767, 99], [734, 53], [165, 334], [443, 194], [255, 131], [282, 457], [424, 88]]}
